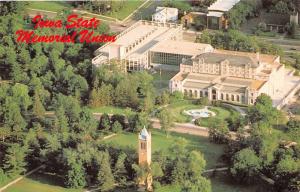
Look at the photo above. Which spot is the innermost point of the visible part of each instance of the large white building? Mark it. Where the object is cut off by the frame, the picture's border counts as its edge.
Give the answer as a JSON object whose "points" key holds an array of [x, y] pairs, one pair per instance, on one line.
{"points": [[165, 14], [237, 77]]}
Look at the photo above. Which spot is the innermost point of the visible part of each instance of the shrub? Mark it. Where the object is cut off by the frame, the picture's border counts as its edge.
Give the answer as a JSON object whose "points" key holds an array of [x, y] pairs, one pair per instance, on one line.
{"points": [[117, 127], [203, 101]]}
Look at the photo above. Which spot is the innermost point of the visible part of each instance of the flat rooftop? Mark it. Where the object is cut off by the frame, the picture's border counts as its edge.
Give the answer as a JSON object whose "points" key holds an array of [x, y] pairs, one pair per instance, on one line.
{"points": [[238, 60], [143, 35], [223, 5], [270, 59], [181, 47]]}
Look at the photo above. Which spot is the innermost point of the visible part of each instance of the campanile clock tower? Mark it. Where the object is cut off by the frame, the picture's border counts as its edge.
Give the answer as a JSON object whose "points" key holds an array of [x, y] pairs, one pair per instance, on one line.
{"points": [[144, 151]]}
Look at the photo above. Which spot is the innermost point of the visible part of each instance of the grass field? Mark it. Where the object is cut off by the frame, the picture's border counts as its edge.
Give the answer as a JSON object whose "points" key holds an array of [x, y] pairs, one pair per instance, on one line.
{"points": [[221, 113], [40, 183], [126, 10], [176, 110], [49, 5], [211, 151]]}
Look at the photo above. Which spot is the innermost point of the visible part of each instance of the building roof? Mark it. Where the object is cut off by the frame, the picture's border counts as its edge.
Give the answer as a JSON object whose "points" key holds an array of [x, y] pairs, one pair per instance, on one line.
{"points": [[214, 14], [181, 47], [144, 134], [202, 77], [223, 5], [257, 84], [166, 11], [232, 89], [179, 76], [262, 57], [145, 34], [233, 59], [197, 85]]}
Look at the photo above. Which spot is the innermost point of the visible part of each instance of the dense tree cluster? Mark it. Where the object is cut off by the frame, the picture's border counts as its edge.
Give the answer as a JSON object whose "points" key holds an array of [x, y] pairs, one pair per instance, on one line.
{"points": [[266, 151], [134, 90], [282, 6], [242, 11], [181, 167], [237, 41], [100, 7]]}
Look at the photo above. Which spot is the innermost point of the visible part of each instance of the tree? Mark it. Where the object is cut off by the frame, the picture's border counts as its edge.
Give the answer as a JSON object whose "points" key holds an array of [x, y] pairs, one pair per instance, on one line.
{"points": [[105, 177], [117, 127], [147, 104], [203, 101], [120, 172], [165, 120], [75, 174], [246, 165], [199, 184], [38, 108], [218, 130], [156, 170], [287, 170], [262, 110], [105, 122], [235, 121], [138, 121], [15, 160]]}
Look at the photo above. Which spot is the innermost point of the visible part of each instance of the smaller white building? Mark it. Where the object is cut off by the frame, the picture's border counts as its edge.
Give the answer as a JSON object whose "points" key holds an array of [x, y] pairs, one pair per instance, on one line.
{"points": [[165, 14]]}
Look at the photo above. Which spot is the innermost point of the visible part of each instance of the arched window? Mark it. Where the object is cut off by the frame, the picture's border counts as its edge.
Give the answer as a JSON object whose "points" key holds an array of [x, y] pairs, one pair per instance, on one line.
{"points": [[185, 92], [191, 93], [222, 96], [201, 94], [238, 98], [227, 97], [232, 97], [195, 93]]}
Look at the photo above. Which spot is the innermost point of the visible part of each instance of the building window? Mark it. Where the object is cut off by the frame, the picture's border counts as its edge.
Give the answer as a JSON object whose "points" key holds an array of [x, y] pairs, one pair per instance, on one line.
{"points": [[185, 92], [238, 98], [195, 93], [191, 93], [222, 96], [201, 94], [227, 97], [251, 101], [143, 145], [206, 94], [232, 97]]}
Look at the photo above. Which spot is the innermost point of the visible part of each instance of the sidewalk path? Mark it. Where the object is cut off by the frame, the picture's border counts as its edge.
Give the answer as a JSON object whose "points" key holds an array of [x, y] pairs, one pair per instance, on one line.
{"points": [[20, 178]]}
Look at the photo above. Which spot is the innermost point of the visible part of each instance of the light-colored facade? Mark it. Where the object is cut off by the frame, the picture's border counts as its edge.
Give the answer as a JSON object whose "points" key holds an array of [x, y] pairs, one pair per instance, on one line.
{"points": [[132, 45], [237, 77], [165, 14], [230, 76]]}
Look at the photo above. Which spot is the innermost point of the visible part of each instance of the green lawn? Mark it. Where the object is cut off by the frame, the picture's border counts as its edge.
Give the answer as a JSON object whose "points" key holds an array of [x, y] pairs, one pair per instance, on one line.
{"points": [[169, 188], [112, 110], [211, 151], [50, 5], [126, 10], [40, 183], [176, 110], [221, 113]]}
